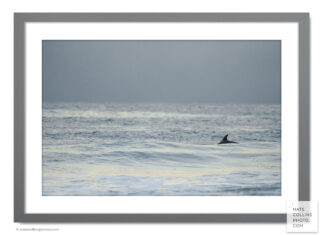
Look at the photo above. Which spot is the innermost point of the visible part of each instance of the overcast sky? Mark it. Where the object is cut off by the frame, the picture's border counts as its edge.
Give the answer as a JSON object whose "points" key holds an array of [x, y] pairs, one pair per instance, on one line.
{"points": [[162, 71]]}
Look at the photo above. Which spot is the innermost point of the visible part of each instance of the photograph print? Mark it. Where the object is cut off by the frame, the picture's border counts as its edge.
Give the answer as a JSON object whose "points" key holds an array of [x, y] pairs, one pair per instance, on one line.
{"points": [[161, 117]]}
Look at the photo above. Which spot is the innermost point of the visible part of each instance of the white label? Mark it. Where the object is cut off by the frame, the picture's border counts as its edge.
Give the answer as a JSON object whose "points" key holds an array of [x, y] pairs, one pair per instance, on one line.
{"points": [[302, 216]]}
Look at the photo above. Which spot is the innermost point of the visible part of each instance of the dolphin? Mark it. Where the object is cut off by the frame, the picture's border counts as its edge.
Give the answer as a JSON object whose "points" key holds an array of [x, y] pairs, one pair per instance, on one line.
{"points": [[225, 141]]}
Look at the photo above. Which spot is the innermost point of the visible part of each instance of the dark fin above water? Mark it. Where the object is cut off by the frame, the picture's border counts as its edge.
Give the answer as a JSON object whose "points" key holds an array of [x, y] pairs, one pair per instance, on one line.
{"points": [[225, 141], [225, 138]]}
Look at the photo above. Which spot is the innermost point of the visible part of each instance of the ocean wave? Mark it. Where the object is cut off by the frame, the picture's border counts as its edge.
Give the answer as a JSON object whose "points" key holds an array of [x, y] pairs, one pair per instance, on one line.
{"points": [[161, 149]]}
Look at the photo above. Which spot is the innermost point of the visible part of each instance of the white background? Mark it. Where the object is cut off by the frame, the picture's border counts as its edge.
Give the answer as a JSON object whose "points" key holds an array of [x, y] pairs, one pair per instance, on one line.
{"points": [[6, 95], [286, 32]]}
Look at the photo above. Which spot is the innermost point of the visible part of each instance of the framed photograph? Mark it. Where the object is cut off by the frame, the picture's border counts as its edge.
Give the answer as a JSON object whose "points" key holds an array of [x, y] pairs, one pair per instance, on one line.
{"points": [[160, 117]]}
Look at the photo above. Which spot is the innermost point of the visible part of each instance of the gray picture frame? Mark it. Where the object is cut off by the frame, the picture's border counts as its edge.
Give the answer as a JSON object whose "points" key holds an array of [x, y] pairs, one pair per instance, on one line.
{"points": [[20, 20]]}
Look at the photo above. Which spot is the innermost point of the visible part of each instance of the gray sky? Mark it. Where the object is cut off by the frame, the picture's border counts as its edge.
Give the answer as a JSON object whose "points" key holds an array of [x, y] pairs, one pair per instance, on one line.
{"points": [[162, 71]]}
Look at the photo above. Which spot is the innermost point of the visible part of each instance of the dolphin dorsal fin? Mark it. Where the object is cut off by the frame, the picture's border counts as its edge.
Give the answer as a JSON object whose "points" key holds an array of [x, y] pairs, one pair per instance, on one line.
{"points": [[225, 138]]}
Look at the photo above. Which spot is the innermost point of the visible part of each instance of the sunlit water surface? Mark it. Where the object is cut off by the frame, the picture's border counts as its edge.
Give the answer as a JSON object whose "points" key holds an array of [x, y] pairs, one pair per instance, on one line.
{"points": [[160, 149]]}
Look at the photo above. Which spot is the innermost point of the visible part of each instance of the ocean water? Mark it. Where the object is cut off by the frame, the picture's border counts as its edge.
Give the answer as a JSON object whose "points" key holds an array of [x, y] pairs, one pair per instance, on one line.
{"points": [[121, 149]]}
